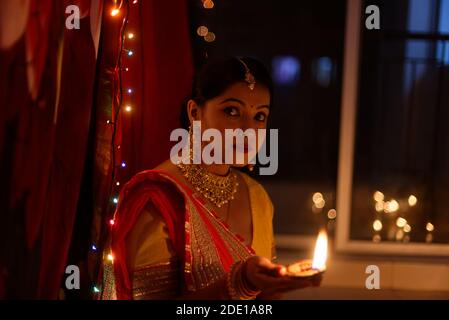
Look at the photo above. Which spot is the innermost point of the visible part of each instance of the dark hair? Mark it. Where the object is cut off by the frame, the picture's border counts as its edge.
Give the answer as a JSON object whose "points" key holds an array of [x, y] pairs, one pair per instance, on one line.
{"points": [[218, 75]]}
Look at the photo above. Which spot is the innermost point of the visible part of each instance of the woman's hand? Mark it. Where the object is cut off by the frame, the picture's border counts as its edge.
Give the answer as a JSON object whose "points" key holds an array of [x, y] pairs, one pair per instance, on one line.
{"points": [[271, 278]]}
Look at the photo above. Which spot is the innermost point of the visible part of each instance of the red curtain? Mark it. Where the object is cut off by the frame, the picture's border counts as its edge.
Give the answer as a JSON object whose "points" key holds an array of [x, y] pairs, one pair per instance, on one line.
{"points": [[45, 127], [160, 72], [47, 84]]}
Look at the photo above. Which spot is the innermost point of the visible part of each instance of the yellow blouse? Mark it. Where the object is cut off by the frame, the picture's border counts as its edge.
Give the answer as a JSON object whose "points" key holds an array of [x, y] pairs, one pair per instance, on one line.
{"points": [[149, 242]]}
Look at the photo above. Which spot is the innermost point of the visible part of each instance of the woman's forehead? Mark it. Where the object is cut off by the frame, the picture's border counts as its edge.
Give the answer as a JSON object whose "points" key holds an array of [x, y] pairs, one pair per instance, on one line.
{"points": [[257, 97]]}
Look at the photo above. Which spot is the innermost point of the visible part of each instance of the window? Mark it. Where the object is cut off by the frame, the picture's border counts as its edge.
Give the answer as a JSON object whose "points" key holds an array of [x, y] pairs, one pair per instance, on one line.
{"points": [[394, 179]]}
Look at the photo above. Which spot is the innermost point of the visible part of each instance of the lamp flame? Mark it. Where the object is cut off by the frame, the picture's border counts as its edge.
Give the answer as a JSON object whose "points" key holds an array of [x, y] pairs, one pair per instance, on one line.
{"points": [[320, 254]]}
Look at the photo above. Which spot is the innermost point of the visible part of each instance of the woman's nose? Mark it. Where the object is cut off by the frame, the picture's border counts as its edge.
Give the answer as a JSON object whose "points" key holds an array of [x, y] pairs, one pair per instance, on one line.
{"points": [[247, 123]]}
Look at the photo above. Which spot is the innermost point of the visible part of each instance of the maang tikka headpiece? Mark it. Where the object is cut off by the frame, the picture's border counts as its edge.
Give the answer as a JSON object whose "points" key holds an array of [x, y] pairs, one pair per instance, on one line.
{"points": [[249, 78]]}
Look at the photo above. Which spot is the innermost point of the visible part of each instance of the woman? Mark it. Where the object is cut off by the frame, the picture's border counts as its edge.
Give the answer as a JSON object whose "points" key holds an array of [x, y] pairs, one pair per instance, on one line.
{"points": [[202, 231]]}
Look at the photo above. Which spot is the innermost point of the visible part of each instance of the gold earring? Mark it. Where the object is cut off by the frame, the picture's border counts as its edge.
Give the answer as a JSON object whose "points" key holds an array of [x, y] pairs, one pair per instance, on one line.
{"points": [[251, 167]]}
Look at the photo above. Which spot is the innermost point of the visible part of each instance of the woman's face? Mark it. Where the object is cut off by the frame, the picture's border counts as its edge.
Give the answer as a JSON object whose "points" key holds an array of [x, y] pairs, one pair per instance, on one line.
{"points": [[236, 108]]}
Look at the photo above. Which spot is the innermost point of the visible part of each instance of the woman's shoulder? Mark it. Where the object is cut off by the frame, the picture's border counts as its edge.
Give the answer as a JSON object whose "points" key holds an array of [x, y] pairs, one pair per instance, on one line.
{"points": [[257, 190], [167, 166], [161, 174], [155, 188], [251, 182]]}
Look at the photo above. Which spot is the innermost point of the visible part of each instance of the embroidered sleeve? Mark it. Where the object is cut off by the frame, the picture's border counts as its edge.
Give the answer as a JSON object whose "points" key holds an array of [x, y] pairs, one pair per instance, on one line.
{"points": [[151, 258]]}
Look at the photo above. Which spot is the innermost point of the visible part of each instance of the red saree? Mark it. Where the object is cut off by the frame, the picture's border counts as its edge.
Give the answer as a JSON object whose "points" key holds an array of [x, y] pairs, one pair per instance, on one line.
{"points": [[204, 245]]}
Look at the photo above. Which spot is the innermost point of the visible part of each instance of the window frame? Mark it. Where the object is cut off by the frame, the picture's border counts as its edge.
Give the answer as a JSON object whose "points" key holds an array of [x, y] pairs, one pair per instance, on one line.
{"points": [[343, 242]]}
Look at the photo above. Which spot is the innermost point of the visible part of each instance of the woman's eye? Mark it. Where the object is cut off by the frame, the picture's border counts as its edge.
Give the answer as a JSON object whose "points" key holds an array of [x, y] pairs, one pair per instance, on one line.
{"points": [[231, 111], [260, 116]]}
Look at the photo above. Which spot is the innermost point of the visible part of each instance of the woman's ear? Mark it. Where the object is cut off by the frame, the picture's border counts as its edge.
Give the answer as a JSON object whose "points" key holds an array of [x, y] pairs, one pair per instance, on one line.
{"points": [[193, 111]]}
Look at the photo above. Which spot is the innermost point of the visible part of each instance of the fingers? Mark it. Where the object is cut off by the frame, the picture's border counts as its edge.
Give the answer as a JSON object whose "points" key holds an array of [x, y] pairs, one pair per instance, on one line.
{"points": [[270, 268], [272, 278], [267, 264], [282, 271], [277, 271]]}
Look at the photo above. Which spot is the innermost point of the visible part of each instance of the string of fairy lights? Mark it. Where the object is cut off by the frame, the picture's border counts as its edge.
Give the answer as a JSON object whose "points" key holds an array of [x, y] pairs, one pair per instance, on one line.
{"points": [[119, 9]]}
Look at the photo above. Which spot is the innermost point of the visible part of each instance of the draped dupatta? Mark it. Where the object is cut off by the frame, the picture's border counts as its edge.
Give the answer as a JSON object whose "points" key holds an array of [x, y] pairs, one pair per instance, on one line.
{"points": [[204, 245]]}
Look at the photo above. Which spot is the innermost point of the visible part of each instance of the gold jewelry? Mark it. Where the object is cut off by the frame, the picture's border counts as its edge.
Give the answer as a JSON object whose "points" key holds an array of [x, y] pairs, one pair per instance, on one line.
{"points": [[249, 78], [237, 284], [250, 167], [217, 189]]}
